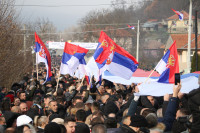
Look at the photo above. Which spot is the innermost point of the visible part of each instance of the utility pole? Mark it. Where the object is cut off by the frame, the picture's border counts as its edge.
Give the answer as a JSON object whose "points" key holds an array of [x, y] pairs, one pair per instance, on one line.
{"points": [[138, 38], [196, 39], [189, 39], [24, 41]]}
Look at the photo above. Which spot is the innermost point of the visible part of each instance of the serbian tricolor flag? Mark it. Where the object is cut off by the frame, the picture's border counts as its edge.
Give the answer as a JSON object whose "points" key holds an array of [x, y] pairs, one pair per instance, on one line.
{"points": [[73, 57], [42, 55], [131, 27], [180, 15], [168, 65], [109, 56]]}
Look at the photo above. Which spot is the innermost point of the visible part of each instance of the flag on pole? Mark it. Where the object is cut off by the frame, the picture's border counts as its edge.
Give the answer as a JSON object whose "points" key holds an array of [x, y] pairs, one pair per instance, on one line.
{"points": [[131, 27], [42, 55], [168, 65], [109, 56], [180, 15], [73, 57]]}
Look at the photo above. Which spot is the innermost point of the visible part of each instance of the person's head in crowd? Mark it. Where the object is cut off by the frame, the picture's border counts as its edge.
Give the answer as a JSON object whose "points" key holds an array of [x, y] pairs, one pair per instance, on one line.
{"points": [[108, 89], [120, 99], [15, 109], [16, 101], [83, 91], [95, 107], [160, 128], [63, 129], [59, 92], [53, 116], [151, 99], [82, 128], [110, 122], [110, 107], [128, 97], [137, 121], [98, 114], [151, 120], [72, 111], [88, 105], [15, 87], [145, 111], [2, 120], [70, 124], [60, 100], [25, 128], [77, 99], [182, 112], [52, 127], [32, 112], [95, 121], [48, 84], [104, 98], [11, 119], [53, 105], [23, 119], [22, 96], [4, 90], [37, 99], [47, 99], [101, 89], [80, 105], [80, 116], [41, 121], [6, 104], [99, 128], [23, 107], [59, 121]]}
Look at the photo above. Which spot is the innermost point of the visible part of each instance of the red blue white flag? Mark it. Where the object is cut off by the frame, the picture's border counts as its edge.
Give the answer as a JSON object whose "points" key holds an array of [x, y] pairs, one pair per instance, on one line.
{"points": [[131, 27], [109, 56], [42, 55], [180, 15], [73, 57], [168, 65]]}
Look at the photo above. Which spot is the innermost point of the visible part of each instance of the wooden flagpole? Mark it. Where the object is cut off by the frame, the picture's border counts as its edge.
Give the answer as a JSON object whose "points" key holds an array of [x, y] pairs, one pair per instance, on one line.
{"points": [[150, 75], [37, 65], [58, 81]]}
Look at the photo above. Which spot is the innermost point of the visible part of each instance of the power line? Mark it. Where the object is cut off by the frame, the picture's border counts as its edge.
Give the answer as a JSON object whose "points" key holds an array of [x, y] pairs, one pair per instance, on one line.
{"points": [[38, 5]]}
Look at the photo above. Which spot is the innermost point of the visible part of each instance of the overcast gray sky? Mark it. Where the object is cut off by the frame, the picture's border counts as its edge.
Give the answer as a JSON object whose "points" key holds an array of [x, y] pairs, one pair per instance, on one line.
{"points": [[62, 17]]}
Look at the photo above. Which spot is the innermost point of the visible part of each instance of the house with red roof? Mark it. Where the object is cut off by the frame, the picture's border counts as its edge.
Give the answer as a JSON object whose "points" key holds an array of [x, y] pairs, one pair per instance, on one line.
{"points": [[180, 26], [182, 44]]}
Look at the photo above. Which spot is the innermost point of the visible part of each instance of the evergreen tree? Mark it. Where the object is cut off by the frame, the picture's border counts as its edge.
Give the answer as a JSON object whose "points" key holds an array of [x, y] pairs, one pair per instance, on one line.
{"points": [[193, 65]]}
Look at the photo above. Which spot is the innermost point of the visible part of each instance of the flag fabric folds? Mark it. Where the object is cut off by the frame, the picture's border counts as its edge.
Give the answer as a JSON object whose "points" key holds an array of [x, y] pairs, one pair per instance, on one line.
{"points": [[180, 15], [42, 55], [73, 57], [131, 27], [109, 56], [168, 65]]}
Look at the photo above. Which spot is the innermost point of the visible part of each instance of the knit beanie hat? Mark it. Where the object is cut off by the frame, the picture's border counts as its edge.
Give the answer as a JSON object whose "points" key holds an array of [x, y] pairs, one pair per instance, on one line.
{"points": [[138, 121]]}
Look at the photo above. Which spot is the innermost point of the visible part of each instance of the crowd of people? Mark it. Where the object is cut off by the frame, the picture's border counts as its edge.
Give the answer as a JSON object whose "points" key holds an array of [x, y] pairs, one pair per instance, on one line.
{"points": [[30, 106]]}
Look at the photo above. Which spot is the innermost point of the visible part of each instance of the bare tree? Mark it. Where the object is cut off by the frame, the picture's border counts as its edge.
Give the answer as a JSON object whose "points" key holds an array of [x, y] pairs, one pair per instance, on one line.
{"points": [[14, 59]]}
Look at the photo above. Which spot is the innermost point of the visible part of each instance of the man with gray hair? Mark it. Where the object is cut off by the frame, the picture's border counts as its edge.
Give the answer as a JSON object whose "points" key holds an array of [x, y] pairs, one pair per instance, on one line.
{"points": [[99, 128]]}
